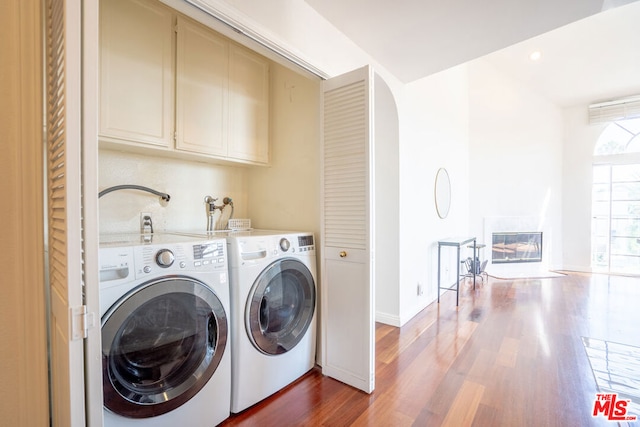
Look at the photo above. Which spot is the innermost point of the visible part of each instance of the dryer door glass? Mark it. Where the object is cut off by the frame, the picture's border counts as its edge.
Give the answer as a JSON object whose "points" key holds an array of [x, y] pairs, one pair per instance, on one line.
{"points": [[280, 306], [161, 343]]}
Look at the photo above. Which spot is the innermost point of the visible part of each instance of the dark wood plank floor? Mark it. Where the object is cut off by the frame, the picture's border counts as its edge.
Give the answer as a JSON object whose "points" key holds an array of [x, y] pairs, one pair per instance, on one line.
{"points": [[510, 355]]}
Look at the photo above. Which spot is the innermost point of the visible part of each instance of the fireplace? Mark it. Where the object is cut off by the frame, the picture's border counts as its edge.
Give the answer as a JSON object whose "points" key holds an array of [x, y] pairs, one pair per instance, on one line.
{"points": [[514, 247]]}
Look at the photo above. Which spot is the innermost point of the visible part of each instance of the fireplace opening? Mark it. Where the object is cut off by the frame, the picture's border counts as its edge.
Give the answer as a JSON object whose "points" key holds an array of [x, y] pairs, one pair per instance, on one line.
{"points": [[513, 247]]}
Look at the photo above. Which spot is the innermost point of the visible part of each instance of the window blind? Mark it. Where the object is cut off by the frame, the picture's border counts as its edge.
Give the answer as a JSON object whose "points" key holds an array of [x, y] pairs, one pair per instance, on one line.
{"points": [[621, 109]]}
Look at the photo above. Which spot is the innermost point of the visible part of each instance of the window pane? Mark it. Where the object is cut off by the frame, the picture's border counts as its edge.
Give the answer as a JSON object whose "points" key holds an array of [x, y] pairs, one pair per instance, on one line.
{"points": [[600, 209], [628, 191], [609, 145], [631, 125], [600, 227], [625, 173], [619, 137], [624, 264], [625, 228], [625, 209], [601, 192], [601, 174], [599, 251]]}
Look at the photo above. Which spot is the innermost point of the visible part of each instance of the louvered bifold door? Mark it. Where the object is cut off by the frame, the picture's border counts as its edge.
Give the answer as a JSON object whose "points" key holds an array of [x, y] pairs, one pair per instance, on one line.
{"points": [[347, 256], [64, 237]]}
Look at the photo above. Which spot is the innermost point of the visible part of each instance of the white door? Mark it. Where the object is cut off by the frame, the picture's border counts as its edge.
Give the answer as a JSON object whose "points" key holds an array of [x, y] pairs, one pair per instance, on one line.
{"points": [[64, 186], [348, 343]]}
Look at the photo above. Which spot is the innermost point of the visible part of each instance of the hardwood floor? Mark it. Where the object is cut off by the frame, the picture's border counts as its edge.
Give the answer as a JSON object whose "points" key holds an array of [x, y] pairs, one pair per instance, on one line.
{"points": [[510, 355]]}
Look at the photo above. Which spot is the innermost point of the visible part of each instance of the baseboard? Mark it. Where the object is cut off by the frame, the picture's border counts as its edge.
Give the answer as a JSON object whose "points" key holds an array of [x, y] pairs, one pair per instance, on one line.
{"points": [[399, 321], [578, 268], [388, 319], [410, 314]]}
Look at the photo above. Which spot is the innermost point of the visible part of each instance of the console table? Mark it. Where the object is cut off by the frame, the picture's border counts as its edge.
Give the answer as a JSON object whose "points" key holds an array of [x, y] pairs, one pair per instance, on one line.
{"points": [[456, 242]]}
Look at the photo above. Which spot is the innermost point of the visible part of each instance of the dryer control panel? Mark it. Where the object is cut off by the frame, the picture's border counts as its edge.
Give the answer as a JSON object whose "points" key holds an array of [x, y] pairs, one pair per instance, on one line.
{"points": [[305, 243], [259, 245]]}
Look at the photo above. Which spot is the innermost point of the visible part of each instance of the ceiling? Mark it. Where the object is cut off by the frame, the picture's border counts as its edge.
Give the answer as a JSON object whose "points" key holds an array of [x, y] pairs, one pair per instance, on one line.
{"points": [[594, 59]]}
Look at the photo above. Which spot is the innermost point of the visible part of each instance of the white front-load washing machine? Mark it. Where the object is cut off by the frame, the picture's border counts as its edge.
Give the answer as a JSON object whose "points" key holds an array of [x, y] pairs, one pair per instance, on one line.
{"points": [[164, 307], [272, 276]]}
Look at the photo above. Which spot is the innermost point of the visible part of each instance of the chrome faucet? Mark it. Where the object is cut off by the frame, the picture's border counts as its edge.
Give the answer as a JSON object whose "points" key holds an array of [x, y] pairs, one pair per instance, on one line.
{"points": [[164, 196], [211, 208]]}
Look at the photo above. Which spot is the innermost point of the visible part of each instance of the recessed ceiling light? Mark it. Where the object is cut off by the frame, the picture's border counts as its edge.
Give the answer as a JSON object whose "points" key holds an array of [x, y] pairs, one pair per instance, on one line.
{"points": [[535, 55]]}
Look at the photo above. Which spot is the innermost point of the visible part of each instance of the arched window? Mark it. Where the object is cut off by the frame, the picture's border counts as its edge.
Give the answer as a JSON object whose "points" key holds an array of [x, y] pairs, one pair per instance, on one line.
{"points": [[615, 225], [619, 137]]}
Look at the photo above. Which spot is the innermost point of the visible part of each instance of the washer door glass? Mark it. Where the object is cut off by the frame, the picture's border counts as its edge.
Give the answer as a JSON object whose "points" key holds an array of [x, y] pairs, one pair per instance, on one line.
{"points": [[161, 343], [280, 306]]}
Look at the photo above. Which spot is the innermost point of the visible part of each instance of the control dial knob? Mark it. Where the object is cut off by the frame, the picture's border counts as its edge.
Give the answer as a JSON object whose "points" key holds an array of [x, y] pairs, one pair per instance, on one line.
{"points": [[284, 244], [165, 258]]}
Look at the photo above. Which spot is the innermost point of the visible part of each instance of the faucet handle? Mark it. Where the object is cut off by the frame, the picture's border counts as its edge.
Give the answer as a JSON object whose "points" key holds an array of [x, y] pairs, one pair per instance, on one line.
{"points": [[212, 204]]}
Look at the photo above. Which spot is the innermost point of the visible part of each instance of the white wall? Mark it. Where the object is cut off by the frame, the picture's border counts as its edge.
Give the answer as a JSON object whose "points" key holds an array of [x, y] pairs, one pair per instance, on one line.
{"points": [[579, 142], [516, 167], [285, 196], [387, 204], [187, 183], [434, 134]]}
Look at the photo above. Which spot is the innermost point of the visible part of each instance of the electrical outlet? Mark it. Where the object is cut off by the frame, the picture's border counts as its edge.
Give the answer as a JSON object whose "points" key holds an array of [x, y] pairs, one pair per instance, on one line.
{"points": [[419, 289], [146, 224]]}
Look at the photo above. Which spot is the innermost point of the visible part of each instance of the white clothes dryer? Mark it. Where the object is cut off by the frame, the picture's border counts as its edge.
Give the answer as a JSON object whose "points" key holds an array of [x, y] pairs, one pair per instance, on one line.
{"points": [[272, 276], [164, 307]]}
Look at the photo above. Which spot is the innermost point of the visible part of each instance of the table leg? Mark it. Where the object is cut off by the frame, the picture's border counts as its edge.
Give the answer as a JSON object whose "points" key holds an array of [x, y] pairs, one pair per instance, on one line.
{"points": [[438, 272], [475, 267], [458, 277]]}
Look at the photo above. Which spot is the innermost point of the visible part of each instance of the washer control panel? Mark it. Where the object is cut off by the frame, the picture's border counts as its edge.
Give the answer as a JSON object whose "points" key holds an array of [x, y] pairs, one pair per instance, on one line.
{"points": [[180, 258], [125, 257], [210, 253], [116, 265]]}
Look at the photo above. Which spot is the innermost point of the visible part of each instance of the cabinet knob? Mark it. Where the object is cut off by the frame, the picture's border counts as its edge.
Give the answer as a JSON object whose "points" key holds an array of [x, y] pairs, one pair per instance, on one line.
{"points": [[343, 254]]}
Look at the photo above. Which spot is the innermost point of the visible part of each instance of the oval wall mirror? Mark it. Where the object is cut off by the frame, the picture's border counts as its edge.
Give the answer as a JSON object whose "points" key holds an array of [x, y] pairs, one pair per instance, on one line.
{"points": [[443, 193]]}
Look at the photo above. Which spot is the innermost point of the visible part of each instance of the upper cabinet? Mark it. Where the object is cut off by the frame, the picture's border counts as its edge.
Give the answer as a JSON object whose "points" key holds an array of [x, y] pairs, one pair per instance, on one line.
{"points": [[136, 72], [220, 107], [248, 105], [202, 87]]}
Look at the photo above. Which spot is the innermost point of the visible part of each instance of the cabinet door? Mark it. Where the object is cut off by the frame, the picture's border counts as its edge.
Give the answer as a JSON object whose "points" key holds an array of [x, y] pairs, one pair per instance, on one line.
{"points": [[348, 342], [201, 90], [136, 72], [248, 106]]}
